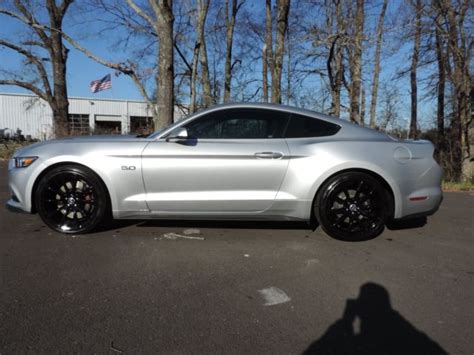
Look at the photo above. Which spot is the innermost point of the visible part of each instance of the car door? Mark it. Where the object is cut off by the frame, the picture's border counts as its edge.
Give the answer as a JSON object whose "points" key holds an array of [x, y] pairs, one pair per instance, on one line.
{"points": [[233, 161]]}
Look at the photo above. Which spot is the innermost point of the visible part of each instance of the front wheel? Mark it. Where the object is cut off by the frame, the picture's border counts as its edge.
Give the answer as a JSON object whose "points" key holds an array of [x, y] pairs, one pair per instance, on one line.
{"points": [[352, 206], [71, 199]]}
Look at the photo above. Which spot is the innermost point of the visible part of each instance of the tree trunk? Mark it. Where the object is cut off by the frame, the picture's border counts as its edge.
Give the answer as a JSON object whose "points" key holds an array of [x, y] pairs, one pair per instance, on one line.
{"points": [[283, 7], [336, 102], [165, 78], [362, 105], [230, 25], [414, 65], [194, 73], [441, 59], [460, 78], [58, 53], [264, 73], [288, 68], [208, 99], [378, 51], [356, 63], [267, 56], [43, 69], [203, 6], [61, 105]]}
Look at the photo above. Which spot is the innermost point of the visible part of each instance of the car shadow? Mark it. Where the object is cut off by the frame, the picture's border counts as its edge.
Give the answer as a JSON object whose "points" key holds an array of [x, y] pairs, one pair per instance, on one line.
{"points": [[369, 325], [123, 223], [411, 223], [112, 224], [226, 224]]}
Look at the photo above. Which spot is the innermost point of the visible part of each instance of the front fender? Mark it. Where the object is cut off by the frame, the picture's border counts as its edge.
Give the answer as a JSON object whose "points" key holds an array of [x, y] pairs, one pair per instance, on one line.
{"points": [[119, 183]]}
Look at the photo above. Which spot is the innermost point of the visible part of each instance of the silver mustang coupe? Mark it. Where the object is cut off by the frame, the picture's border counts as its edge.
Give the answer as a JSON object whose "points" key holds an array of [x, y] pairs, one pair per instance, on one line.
{"points": [[240, 162]]}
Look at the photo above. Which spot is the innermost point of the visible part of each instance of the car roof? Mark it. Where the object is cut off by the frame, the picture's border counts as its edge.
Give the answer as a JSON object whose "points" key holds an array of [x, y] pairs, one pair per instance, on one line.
{"points": [[272, 107], [350, 130]]}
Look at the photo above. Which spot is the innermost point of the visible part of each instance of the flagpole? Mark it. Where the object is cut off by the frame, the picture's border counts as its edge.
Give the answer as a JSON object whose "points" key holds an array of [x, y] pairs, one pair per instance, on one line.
{"points": [[112, 87]]}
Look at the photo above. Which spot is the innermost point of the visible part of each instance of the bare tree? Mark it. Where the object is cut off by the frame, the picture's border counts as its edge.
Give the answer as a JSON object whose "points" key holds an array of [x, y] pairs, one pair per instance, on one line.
{"points": [[355, 61], [441, 85], [202, 9], [460, 55], [283, 7], [390, 106], [334, 62], [163, 23], [208, 97], [362, 105], [413, 69], [376, 74], [230, 26], [158, 25], [267, 55], [44, 53]]}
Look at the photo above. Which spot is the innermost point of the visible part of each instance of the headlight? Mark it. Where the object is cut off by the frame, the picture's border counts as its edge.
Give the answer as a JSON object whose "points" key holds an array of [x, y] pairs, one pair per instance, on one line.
{"points": [[24, 162]]}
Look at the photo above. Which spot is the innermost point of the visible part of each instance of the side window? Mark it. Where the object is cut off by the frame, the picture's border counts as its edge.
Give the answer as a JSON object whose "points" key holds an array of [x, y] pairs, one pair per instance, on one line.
{"points": [[242, 128], [239, 124], [204, 127], [303, 126]]}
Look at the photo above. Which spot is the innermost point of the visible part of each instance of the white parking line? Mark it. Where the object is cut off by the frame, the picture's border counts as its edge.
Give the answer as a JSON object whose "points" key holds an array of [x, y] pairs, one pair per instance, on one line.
{"points": [[174, 236], [274, 296], [191, 231]]}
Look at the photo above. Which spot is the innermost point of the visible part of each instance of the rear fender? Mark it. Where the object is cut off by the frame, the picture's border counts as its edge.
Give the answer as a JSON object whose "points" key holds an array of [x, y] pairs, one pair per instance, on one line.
{"points": [[360, 166]]}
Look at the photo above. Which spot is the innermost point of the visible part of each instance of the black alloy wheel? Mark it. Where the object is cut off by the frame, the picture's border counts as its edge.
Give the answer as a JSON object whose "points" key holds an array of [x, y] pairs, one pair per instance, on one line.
{"points": [[352, 206], [71, 199]]}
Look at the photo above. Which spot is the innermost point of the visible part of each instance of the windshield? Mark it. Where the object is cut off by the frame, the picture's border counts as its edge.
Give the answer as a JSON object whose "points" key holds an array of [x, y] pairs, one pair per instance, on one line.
{"points": [[175, 124], [158, 132]]}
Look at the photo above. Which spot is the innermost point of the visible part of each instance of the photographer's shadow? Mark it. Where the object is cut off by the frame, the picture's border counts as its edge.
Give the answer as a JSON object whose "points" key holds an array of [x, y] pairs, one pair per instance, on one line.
{"points": [[370, 326]]}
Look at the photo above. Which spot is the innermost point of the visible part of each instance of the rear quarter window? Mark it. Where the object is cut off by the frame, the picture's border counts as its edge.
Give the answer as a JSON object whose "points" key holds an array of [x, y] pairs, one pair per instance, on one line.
{"points": [[303, 127]]}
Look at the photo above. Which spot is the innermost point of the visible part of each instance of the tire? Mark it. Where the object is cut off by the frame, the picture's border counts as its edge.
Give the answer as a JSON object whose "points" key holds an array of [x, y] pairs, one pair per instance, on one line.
{"points": [[352, 206], [71, 199]]}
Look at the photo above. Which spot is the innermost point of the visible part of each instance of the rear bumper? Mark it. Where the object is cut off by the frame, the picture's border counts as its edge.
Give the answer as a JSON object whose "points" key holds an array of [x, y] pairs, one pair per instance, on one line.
{"points": [[420, 187], [429, 203], [426, 212]]}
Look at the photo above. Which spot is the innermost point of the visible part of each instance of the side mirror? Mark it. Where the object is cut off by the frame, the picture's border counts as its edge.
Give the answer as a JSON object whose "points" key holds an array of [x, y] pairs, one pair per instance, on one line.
{"points": [[178, 135]]}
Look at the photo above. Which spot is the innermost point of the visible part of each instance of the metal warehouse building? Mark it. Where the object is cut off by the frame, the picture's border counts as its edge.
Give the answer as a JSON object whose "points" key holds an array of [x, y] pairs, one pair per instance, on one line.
{"points": [[34, 117]]}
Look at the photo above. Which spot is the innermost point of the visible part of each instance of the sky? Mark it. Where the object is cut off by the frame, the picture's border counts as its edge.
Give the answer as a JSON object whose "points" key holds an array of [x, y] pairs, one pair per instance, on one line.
{"points": [[81, 70]]}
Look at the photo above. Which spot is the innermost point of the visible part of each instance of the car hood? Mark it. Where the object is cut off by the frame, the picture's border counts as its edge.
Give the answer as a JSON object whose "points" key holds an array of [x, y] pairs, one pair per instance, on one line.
{"points": [[98, 138], [29, 150]]}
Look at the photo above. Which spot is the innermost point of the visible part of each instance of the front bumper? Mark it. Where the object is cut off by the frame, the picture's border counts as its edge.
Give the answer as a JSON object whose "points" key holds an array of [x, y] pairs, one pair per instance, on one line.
{"points": [[14, 206], [20, 183]]}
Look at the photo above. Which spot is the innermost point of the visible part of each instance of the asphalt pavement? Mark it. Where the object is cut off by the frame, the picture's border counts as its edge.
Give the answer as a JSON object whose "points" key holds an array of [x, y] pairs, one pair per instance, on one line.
{"points": [[280, 288]]}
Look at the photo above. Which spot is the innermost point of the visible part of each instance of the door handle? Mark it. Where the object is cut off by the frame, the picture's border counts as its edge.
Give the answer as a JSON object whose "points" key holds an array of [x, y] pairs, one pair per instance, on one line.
{"points": [[269, 155]]}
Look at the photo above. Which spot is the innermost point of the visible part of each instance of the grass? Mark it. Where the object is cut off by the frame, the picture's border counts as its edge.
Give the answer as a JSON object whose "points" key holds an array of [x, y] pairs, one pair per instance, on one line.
{"points": [[450, 186], [8, 148]]}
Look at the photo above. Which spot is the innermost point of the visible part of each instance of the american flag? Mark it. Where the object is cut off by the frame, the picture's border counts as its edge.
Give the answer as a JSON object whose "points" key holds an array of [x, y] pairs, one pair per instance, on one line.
{"points": [[101, 84]]}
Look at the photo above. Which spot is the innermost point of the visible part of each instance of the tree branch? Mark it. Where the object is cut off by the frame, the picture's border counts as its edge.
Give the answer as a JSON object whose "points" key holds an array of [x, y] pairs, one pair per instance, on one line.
{"points": [[141, 13], [31, 21], [181, 55], [329, 61], [28, 86], [35, 60], [121, 67], [143, 92], [64, 6]]}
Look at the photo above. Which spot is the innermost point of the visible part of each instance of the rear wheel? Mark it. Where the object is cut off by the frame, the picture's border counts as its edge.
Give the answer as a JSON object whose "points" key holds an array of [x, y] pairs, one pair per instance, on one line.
{"points": [[71, 199], [352, 206]]}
